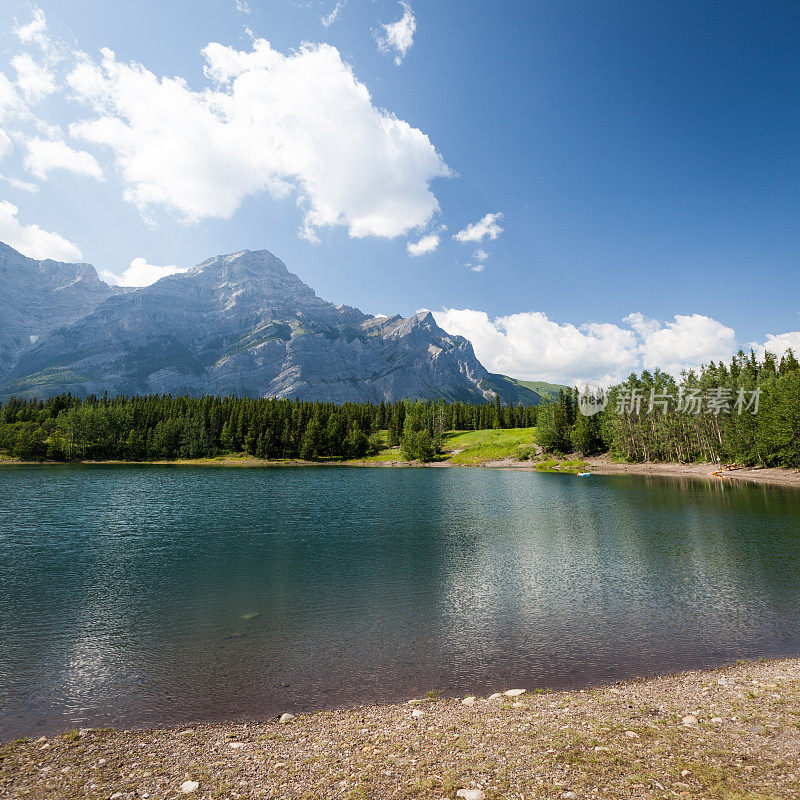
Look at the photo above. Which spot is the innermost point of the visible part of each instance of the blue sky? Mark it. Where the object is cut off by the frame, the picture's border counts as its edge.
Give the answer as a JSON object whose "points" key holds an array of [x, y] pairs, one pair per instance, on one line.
{"points": [[641, 161]]}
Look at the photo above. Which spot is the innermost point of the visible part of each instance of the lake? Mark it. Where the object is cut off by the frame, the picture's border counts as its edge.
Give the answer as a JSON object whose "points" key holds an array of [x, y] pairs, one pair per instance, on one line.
{"points": [[144, 596]]}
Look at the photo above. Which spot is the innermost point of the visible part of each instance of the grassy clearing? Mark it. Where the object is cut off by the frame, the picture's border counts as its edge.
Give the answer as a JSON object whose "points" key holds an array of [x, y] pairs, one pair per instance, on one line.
{"points": [[489, 445], [571, 466]]}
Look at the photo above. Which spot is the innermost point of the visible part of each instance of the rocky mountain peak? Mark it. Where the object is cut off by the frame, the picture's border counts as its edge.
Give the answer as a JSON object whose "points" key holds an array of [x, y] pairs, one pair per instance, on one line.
{"points": [[239, 323]]}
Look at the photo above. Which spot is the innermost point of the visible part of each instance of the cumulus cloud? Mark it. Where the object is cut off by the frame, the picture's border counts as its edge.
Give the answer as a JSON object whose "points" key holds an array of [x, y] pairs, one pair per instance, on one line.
{"points": [[480, 255], [31, 240], [397, 37], [685, 343], [427, 244], [778, 344], [329, 19], [476, 267], [485, 228], [46, 155], [298, 124], [530, 345], [242, 6], [140, 273]]}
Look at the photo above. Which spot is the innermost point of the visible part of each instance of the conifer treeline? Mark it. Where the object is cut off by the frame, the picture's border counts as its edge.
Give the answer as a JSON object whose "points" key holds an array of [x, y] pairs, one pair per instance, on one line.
{"points": [[164, 427], [747, 412]]}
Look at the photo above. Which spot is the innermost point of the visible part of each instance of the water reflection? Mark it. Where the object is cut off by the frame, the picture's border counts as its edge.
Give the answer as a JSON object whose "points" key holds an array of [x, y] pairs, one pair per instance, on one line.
{"points": [[158, 595]]}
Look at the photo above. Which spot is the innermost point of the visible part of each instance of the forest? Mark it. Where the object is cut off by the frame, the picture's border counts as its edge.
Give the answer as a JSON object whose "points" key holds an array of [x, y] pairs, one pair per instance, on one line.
{"points": [[746, 412], [155, 427]]}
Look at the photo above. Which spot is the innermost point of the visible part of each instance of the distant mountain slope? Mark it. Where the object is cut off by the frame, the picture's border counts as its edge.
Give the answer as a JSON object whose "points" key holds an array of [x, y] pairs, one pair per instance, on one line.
{"points": [[36, 297], [511, 390], [542, 388], [243, 324]]}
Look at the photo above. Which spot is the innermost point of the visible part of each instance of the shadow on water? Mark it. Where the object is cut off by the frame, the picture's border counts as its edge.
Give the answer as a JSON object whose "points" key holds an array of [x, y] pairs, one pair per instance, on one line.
{"points": [[146, 596]]}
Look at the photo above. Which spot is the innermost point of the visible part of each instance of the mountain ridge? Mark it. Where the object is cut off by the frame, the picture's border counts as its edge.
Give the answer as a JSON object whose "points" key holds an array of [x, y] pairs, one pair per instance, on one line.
{"points": [[242, 323]]}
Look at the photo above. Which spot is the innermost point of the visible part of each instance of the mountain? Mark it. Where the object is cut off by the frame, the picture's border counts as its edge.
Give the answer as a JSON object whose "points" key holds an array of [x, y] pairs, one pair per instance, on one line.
{"points": [[542, 388], [243, 324], [36, 297]]}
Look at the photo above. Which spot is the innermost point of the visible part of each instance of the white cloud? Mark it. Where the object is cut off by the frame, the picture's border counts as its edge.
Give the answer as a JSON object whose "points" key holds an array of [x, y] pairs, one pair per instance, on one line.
{"points": [[35, 32], [242, 6], [778, 344], [478, 267], [480, 255], [5, 144], [140, 273], [31, 240], [530, 345], [427, 244], [24, 186], [685, 343], [10, 101], [397, 37], [45, 155], [34, 80], [329, 19], [300, 123], [486, 227]]}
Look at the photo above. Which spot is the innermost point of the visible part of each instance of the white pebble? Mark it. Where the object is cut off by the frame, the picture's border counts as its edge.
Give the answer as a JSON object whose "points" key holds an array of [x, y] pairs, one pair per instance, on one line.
{"points": [[187, 787], [417, 713], [514, 692], [689, 720], [470, 794], [286, 718], [495, 696], [469, 701]]}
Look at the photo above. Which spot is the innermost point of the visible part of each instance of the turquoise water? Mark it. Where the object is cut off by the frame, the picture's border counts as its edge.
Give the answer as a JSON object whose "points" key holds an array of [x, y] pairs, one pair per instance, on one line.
{"points": [[139, 596]]}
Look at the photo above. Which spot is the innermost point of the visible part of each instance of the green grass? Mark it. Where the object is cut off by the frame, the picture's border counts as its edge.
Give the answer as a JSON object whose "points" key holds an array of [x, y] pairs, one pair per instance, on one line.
{"points": [[488, 445], [554, 465], [390, 454]]}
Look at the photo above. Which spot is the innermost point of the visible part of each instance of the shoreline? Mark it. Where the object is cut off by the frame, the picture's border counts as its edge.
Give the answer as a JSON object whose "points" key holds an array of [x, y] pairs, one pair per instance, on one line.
{"points": [[598, 465], [727, 732]]}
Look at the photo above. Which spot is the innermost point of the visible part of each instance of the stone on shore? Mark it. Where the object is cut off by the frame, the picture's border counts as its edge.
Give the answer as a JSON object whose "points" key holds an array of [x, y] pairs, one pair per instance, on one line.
{"points": [[470, 794], [187, 787], [469, 701], [286, 718], [514, 692]]}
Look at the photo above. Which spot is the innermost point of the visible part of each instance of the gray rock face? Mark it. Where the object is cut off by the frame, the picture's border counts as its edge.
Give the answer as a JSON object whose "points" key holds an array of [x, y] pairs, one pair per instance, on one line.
{"points": [[243, 324], [36, 297]]}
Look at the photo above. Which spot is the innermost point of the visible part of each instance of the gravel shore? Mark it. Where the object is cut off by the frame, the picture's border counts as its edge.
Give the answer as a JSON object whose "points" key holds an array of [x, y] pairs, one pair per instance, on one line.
{"points": [[728, 733]]}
